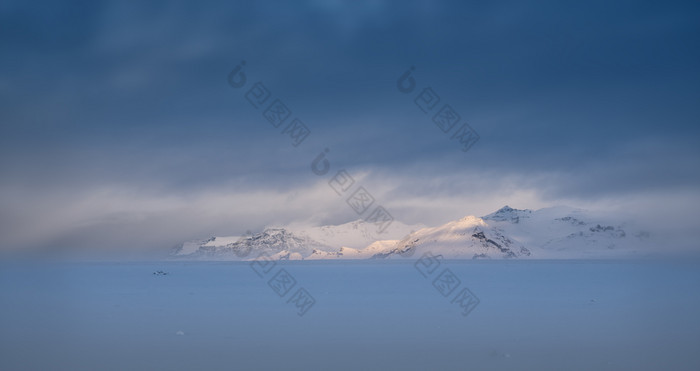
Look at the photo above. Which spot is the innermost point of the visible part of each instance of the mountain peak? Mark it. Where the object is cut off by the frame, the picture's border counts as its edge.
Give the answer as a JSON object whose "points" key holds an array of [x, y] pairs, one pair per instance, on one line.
{"points": [[507, 213], [470, 220]]}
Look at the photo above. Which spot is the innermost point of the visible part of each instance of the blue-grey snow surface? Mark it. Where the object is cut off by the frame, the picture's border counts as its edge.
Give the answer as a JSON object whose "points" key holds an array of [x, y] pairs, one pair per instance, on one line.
{"points": [[376, 315]]}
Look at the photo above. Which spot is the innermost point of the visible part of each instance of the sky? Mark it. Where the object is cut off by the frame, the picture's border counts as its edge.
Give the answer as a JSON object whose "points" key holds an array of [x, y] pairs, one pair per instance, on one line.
{"points": [[119, 126]]}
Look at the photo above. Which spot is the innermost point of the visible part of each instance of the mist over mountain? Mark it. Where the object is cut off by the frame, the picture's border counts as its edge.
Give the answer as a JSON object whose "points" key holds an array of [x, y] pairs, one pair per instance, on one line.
{"points": [[508, 233]]}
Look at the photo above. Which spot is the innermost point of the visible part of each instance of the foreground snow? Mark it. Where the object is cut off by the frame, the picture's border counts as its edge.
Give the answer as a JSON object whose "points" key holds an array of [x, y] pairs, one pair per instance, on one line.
{"points": [[368, 315]]}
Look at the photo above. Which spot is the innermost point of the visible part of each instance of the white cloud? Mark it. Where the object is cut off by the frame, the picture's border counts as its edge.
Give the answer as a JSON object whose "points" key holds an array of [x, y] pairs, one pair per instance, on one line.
{"points": [[139, 217]]}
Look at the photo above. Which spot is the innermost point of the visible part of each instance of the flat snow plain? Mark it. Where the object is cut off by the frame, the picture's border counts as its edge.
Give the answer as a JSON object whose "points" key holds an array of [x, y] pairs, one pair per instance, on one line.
{"points": [[368, 315]]}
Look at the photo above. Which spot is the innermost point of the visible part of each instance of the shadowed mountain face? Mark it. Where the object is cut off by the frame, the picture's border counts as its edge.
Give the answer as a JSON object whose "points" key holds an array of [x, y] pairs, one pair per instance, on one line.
{"points": [[272, 241], [552, 233]]}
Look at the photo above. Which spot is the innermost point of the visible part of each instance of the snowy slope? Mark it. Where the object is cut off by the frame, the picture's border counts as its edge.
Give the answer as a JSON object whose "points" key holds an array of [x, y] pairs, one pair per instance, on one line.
{"points": [[565, 232], [277, 242], [469, 237], [377, 247], [357, 234]]}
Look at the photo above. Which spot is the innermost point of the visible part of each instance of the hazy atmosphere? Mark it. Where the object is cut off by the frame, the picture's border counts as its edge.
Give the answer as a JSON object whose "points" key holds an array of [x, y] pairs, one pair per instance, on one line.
{"points": [[120, 129], [350, 185]]}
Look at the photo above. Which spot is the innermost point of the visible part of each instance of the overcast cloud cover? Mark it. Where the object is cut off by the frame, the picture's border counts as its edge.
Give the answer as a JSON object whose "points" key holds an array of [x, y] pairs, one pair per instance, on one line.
{"points": [[118, 127]]}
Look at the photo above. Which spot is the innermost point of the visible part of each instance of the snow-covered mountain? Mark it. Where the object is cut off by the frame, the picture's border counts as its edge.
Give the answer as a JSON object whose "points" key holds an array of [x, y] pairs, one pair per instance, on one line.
{"points": [[349, 240], [469, 237], [550, 233], [277, 242], [565, 232], [356, 235]]}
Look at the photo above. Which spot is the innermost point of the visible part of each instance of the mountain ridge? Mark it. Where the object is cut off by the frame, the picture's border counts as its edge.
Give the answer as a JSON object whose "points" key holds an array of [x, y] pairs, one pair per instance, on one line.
{"points": [[550, 233]]}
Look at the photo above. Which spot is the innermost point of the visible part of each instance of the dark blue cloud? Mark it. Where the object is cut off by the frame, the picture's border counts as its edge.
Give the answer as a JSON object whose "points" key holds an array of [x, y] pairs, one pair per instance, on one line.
{"points": [[603, 93]]}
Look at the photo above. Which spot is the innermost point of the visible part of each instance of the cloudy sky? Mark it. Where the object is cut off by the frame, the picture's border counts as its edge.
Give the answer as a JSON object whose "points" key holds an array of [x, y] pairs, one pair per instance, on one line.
{"points": [[119, 127]]}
